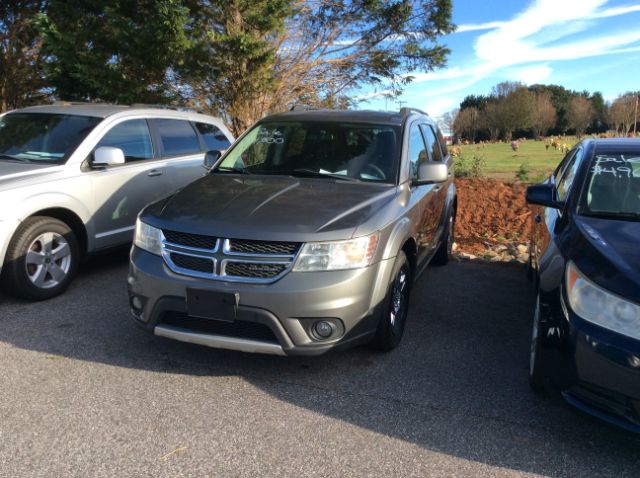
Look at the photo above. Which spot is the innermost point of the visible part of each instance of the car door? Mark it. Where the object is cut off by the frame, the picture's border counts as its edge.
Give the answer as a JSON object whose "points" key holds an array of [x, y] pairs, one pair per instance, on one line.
{"points": [[121, 191], [423, 196], [181, 148], [436, 210], [545, 218]]}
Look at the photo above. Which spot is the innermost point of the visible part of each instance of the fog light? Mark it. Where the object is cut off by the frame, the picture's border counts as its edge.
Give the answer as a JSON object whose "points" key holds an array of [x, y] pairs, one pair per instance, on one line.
{"points": [[323, 329], [136, 303]]}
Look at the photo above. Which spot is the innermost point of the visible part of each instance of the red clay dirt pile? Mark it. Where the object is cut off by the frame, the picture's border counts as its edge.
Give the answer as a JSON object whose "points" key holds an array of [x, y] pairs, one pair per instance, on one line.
{"points": [[493, 220]]}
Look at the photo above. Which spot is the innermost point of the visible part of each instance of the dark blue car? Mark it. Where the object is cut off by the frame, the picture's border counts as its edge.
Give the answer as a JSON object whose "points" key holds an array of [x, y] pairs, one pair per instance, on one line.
{"points": [[585, 261]]}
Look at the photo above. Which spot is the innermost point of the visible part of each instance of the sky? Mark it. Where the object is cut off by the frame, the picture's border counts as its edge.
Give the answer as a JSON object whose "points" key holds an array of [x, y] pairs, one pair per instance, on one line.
{"points": [[591, 45]]}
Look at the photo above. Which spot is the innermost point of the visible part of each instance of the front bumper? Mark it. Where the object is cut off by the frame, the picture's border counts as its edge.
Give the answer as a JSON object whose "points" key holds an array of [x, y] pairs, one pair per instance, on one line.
{"points": [[272, 318], [601, 373]]}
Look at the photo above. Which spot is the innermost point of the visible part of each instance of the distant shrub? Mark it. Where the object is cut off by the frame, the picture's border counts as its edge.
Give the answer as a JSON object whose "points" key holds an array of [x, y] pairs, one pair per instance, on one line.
{"points": [[469, 167], [523, 172]]}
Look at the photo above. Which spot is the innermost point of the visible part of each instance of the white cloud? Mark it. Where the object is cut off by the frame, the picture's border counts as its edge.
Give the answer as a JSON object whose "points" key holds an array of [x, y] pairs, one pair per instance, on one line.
{"points": [[531, 75], [478, 26]]}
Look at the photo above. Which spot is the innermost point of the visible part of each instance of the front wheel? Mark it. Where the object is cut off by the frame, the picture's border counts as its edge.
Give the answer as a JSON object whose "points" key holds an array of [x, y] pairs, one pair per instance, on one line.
{"points": [[391, 326], [42, 258]]}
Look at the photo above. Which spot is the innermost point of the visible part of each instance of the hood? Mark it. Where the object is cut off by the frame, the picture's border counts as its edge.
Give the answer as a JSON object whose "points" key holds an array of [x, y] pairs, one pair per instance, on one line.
{"points": [[271, 207], [16, 173], [610, 256]]}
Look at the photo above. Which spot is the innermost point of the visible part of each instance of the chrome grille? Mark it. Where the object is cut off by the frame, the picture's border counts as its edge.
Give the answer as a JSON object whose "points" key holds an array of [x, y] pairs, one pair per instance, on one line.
{"points": [[243, 246], [253, 269], [236, 260], [190, 240]]}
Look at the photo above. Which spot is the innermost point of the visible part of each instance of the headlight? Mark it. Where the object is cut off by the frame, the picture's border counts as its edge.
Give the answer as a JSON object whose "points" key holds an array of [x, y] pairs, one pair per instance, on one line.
{"points": [[148, 238], [601, 307], [331, 256]]}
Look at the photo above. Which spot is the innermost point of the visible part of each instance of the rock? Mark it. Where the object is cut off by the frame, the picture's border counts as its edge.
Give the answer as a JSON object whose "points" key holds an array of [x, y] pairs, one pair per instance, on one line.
{"points": [[454, 246], [523, 249], [500, 248]]}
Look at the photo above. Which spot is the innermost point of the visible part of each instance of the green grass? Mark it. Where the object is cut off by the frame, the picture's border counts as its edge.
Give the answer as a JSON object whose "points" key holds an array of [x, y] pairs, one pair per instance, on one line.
{"points": [[503, 163]]}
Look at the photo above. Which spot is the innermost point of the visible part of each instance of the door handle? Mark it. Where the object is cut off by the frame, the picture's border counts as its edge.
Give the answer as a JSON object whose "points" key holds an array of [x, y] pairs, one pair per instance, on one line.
{"points": [[155, 172], [537, 218]]}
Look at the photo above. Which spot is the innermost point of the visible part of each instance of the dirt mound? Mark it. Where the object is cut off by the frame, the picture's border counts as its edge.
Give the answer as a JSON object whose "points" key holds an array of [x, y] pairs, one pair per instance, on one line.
{"points": [[491, 212]]}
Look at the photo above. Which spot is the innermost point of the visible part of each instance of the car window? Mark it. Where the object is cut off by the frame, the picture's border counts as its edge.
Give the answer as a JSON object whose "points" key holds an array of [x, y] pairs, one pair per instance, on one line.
{"points": [[562, 166], [442, 142], [214, 139], [435, 154], [177, 136], [132, 137], [564, 186], [417, 152], [42, 137]]}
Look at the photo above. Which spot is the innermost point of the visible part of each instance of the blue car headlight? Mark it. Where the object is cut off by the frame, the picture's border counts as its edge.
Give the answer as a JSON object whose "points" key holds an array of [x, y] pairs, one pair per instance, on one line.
{"points": [[601, 307]]}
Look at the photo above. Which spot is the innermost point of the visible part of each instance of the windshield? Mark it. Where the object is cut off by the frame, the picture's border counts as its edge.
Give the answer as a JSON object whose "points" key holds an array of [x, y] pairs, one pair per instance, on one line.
{"points": [[613, 186], [39, 137], [352, 152]]}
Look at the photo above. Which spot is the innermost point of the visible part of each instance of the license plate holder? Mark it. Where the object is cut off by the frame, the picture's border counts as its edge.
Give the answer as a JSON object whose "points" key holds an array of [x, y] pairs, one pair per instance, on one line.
{"points": [[208, 304]]}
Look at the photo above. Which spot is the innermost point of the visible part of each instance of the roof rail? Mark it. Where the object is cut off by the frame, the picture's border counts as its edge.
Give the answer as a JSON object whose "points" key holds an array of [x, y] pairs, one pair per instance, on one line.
{"points": [[407, 111], [299, 107], [75, 103], [167, 107]]}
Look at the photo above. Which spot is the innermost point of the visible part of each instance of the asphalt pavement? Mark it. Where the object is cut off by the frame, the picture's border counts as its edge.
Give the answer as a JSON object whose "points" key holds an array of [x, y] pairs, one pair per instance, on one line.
{"points": [[85, 393]]}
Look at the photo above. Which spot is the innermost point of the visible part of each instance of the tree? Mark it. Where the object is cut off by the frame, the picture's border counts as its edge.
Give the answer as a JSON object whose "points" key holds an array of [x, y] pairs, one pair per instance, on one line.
{"points": [[313, 52], [622, 112], [513, 110], [21, 81], [113, 50], [467, 123], [544, 117], [448, 120], [579, 114], [475, 101]]}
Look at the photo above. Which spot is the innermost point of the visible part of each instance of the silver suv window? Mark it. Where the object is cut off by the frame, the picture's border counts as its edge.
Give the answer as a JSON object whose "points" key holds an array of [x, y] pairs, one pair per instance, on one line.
{"points": [[132, 137], [433, 147], [177, 137], [42, 137], [417, 152], [213, 138]]}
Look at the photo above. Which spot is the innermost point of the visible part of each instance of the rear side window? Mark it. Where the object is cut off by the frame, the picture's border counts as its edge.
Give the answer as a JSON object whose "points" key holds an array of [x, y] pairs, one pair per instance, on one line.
{"points": [[435, 153], [132, 137], [443, 143], [214, 139], [177, 137]]}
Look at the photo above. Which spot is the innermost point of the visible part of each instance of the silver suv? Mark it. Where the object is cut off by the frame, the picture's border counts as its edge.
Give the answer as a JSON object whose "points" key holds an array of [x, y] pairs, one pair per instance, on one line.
{"points": [[73, 178], [306, 235]]}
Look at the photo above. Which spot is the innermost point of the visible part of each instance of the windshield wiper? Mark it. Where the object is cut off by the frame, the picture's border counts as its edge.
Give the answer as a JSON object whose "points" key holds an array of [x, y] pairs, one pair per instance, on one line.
{"points": [[614, 215], [14, 158], [318, 174], [226, 169]]}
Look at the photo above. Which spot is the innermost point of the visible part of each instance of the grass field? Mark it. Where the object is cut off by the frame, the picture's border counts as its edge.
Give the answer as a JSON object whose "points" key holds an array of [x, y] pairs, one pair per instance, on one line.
{"points": [[501, 162]]}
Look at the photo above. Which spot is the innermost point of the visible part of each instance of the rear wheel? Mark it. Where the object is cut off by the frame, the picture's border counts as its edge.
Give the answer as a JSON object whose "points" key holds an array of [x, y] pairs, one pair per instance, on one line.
{"points": [[42, 258], [392, 323], [536, 377]]}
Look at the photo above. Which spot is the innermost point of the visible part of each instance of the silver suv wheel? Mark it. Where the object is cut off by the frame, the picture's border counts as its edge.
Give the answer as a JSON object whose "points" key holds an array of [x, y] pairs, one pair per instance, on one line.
{"points": [[48, 260]]}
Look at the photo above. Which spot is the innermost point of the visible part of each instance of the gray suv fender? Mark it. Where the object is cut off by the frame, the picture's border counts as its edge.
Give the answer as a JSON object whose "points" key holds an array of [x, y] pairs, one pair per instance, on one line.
{"points": [[400, 233]]}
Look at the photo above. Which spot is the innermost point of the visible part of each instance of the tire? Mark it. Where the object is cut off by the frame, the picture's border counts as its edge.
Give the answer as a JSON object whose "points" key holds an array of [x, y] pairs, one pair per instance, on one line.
{"points": [[443, 254], [42, 259], [394, 314], [536, 376]]}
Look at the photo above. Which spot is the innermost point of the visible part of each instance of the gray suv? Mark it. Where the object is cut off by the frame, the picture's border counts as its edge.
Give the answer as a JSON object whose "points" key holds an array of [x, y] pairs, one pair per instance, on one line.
{"points": [[73, 178], [306, 235]]}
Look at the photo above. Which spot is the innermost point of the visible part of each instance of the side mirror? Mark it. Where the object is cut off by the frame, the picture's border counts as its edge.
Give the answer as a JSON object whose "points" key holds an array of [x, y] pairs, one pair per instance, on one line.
{"points": [[211, 158], [543, 195], [430, 172], [107, 156]]}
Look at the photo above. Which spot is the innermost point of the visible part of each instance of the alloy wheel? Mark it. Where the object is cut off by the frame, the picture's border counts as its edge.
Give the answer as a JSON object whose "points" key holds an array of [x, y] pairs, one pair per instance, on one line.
{"points": [[48, 260]]}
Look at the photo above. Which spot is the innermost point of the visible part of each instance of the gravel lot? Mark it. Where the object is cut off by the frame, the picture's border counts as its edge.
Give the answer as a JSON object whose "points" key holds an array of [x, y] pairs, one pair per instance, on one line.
{"points": [[84, 393]]}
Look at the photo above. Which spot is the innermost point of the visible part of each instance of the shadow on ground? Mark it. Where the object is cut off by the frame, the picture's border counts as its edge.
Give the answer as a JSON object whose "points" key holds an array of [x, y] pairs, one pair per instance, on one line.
{"points": [[457, 385]]}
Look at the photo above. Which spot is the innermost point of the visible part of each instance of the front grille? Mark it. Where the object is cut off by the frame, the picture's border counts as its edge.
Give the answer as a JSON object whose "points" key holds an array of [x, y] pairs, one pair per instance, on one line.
{"points": [[254, 270], [190, 240], [245, 246], [237, 329], [199, 264]]}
